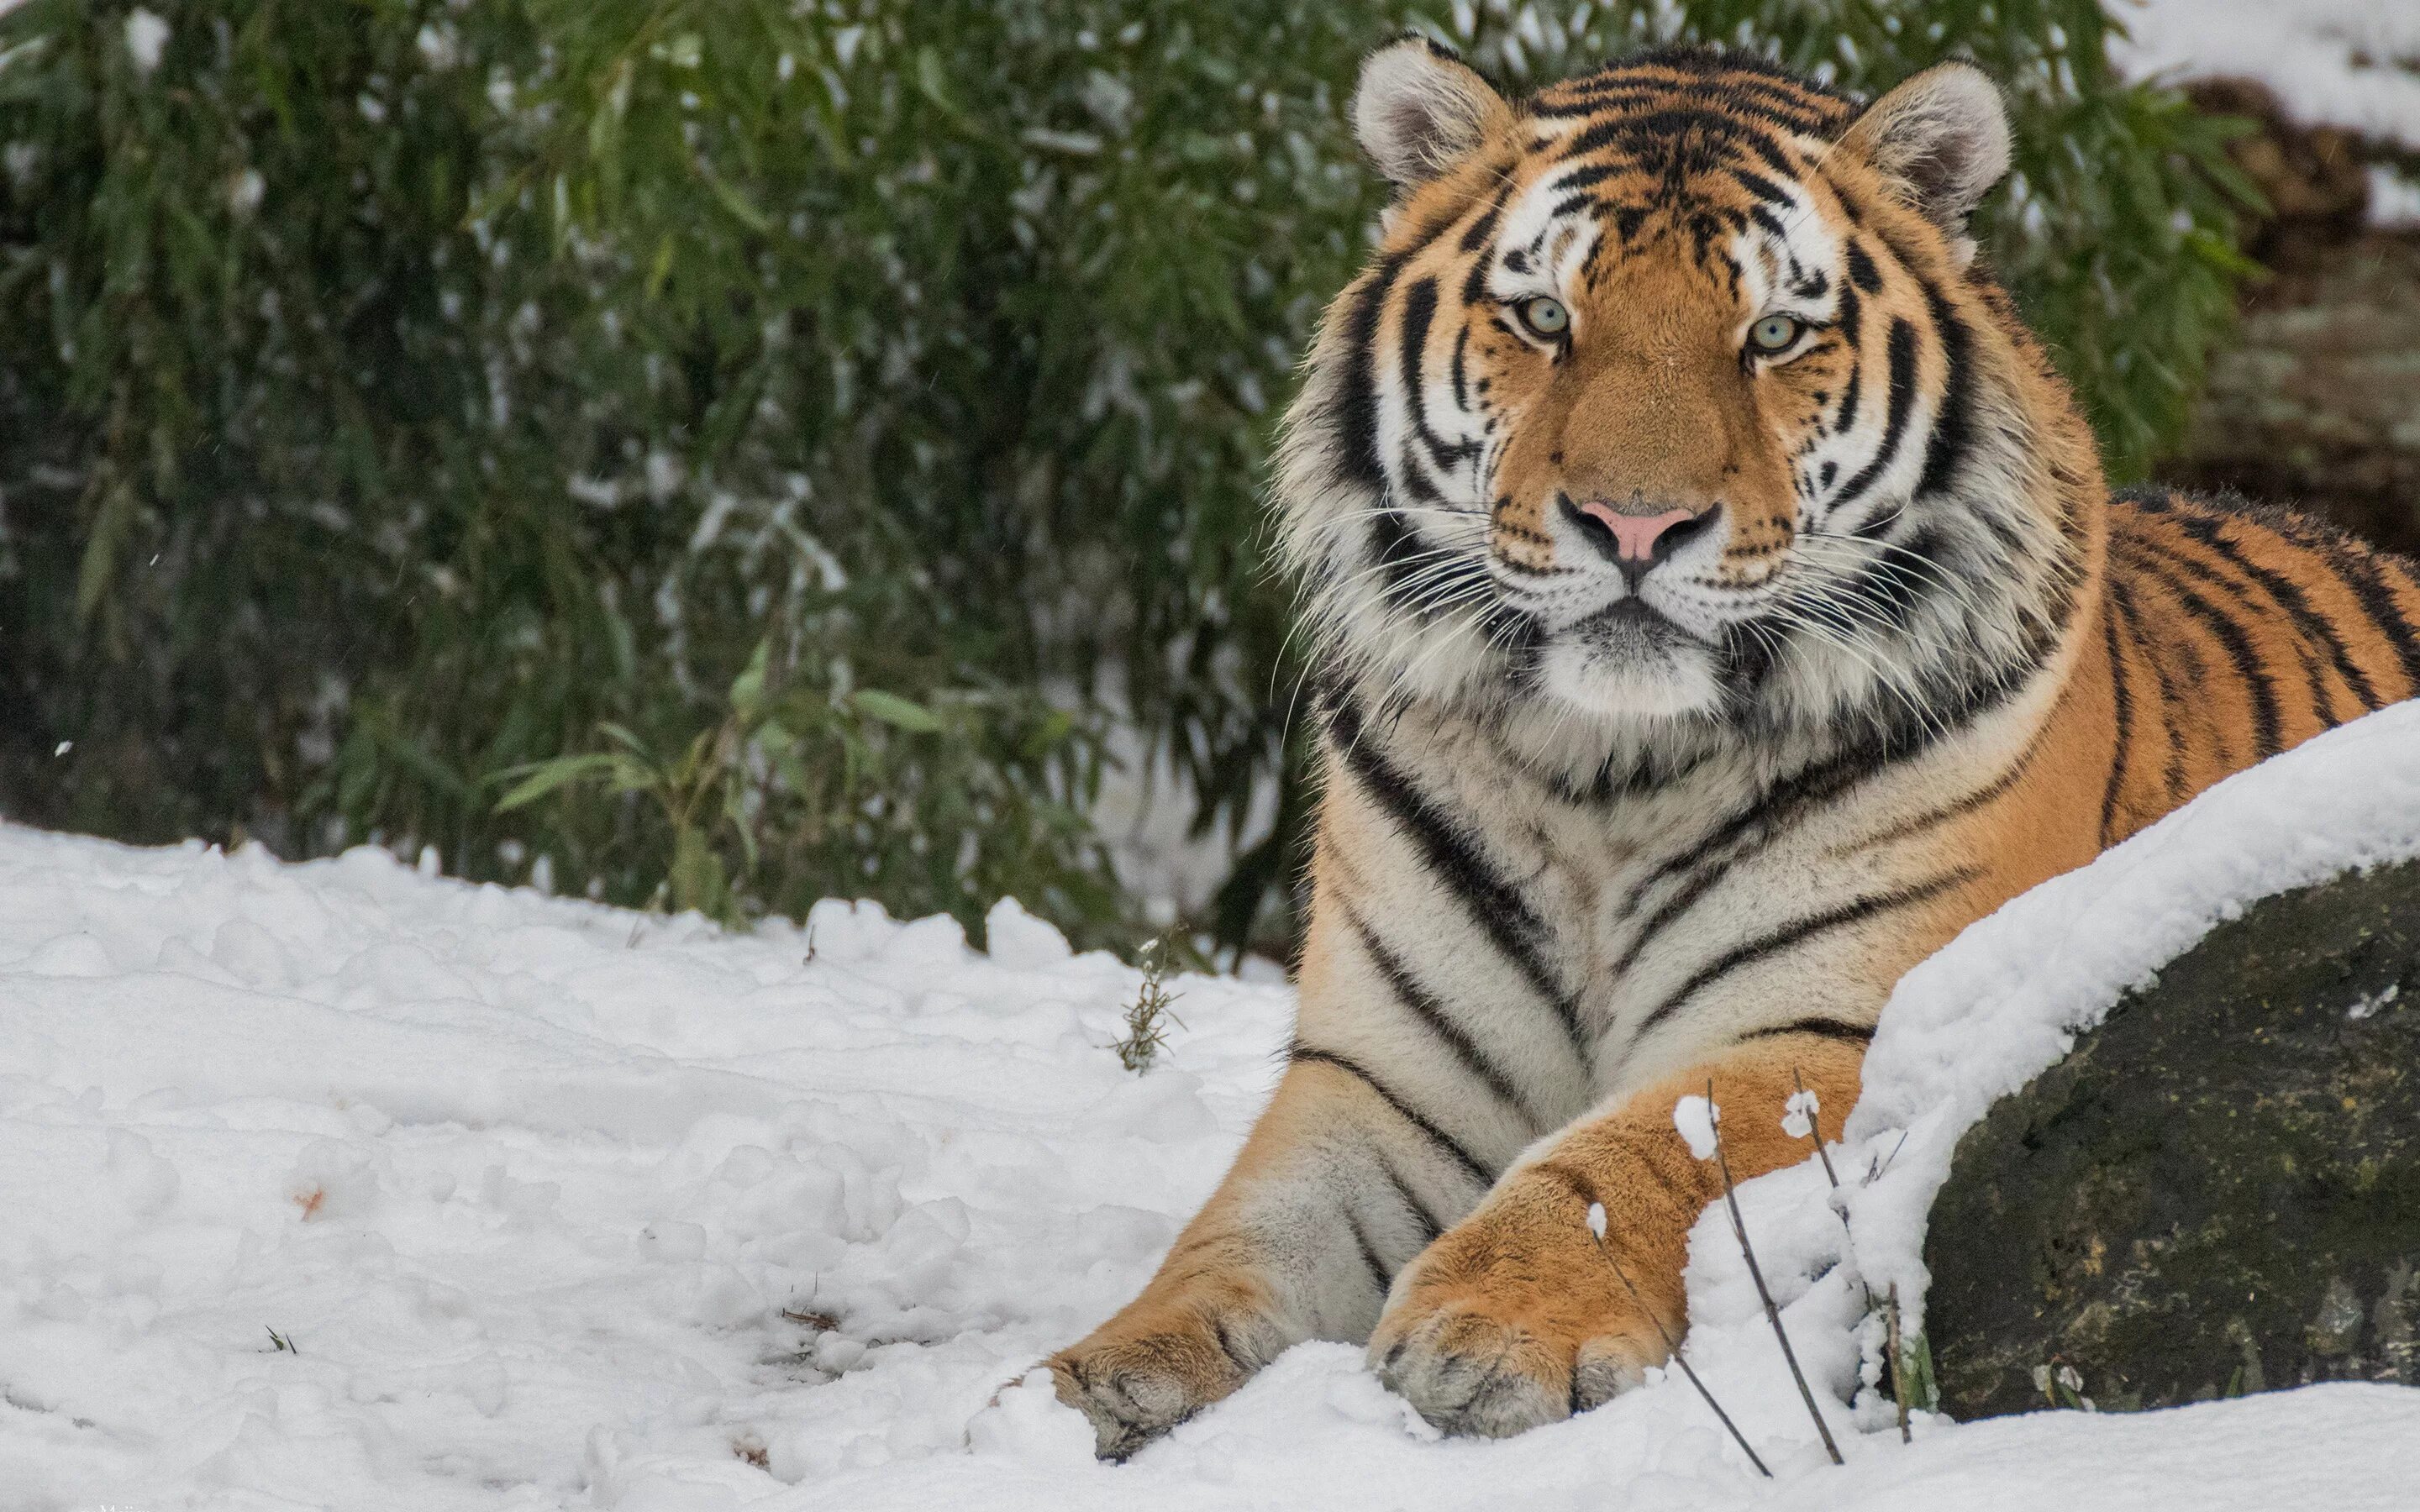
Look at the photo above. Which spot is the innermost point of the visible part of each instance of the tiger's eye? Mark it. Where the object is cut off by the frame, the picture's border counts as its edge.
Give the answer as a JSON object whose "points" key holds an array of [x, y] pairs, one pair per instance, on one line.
{"points": [[1774, 334], [1545, 317]]}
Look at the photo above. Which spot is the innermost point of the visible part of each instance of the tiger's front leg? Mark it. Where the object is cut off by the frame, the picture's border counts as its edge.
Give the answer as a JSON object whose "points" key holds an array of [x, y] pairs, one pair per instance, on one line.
{"points": [[1516, 1317], [1340, 1183]]}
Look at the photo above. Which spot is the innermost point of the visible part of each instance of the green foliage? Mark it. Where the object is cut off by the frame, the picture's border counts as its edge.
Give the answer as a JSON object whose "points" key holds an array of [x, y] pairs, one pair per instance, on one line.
{"points": [[1151, 1011], [800, 785], [734, 452]]}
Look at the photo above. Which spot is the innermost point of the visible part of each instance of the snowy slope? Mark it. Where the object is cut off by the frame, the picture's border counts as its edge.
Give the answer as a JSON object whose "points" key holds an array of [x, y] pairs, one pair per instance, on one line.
{"points": [[564, 1208], [2353, 63]]}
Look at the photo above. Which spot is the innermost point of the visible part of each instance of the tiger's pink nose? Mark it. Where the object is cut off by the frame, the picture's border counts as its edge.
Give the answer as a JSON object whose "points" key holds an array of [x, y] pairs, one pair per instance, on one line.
{"points": [[1634, 535]]}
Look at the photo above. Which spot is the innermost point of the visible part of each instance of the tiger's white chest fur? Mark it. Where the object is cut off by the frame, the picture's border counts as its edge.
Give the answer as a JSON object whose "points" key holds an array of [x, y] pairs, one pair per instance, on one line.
{"points": [[1584, 943]]}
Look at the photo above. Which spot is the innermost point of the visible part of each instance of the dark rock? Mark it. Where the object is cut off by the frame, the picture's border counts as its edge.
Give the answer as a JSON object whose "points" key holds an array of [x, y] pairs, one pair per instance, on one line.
{"points": [[2315, 402], [2315, 179], [2217, 1192]]}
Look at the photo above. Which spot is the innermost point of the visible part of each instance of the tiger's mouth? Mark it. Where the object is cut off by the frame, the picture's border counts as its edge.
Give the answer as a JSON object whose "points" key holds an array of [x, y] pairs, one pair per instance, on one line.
{"points": [[1630, 624]]}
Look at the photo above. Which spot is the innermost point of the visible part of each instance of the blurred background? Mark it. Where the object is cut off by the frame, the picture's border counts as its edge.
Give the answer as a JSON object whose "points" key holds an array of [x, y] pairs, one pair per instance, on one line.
{"points": [[720, 455]]}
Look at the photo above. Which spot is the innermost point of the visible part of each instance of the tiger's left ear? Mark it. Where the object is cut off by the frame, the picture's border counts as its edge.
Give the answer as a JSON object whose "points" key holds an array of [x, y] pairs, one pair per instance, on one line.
{"points": [[1942, 139]]}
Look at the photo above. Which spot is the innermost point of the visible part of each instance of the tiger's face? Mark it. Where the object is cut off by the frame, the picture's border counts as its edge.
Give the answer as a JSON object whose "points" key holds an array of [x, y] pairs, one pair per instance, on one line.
{"points": [[1667, 399]]}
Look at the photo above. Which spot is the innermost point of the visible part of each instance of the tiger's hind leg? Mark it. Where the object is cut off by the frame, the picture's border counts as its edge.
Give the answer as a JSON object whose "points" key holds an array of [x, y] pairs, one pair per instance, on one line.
{"points": [[1337, 1189], [1516, 1315]]}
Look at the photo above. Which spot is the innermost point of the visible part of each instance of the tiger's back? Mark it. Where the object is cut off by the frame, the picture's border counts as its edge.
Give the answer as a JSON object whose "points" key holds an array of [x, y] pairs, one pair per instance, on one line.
{"points": [[2233, 632]]}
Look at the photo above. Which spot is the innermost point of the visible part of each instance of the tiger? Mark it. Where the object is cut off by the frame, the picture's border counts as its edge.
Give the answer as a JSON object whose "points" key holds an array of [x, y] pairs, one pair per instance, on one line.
{"points": [[1716, 604]]}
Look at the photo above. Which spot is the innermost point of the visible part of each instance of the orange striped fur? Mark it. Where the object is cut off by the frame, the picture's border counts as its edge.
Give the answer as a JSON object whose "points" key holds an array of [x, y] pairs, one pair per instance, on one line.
{"points": [[1718, 605]]}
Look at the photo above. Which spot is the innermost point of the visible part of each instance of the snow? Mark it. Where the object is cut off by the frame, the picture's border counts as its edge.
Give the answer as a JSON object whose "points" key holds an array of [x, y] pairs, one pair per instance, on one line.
{"points": [[2350, 63], [1694, 1119], [146, 38], [1798, 1114], [2004, 1000], [2394, 200], [340, 1185]]}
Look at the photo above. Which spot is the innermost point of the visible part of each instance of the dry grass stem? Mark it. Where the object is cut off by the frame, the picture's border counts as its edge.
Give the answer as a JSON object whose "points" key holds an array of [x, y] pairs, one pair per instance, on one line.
{"points": [[1672, 1346], [1756, 1273]]}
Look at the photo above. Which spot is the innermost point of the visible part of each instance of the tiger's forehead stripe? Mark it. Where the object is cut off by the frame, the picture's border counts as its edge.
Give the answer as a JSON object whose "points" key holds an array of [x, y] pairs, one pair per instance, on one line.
{"points": [[1608, 150]]}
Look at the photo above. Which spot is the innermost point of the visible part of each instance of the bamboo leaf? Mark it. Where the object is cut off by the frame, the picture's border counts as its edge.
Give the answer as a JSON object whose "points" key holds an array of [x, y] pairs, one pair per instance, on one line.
{"points": [[897, 712], [540, 779]]}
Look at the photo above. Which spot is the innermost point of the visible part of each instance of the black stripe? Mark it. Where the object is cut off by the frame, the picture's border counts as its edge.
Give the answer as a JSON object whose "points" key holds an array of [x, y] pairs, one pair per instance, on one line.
{"points": [[2322, 700], [1420, 318], [1433, 1013], [1852, 392], [1682, 899], [2360, 571], [1475, 236], [1474, 284], [2313, 624], [1354, 413], [1660, 134], [1762, 187], [2266, 725], [1378, 1271], [1953, 426], [1862, 270], [2125, 721], [2315, 677], [1351, 418], [1972, 801], [1398, 550], [1302, 1055], [1903, 395], [1586, 176], [1576, 1181], [1884, 586], [1762, 819], [1798, 931], [1429, 1224], [1827, 1028], [1493, 903], [1571, 205], [2174, 777]]}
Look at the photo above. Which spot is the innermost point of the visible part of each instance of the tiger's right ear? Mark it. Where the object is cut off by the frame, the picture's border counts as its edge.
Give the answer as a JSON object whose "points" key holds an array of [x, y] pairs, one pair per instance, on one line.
{"points": [[1420, 109]]}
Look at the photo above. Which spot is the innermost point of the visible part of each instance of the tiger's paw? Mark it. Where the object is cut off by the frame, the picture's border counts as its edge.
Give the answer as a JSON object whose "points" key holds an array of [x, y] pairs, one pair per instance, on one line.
{"points": [[1158, 1363], [1513, 1319]]}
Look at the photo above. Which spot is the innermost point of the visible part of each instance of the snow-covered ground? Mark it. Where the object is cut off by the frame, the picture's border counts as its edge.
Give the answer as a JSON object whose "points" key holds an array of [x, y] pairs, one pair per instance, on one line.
{"points": [[2353, 63], [561, 1207]]}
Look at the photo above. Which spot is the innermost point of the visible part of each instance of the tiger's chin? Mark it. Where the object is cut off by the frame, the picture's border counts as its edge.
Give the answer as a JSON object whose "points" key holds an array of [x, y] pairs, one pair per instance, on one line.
{"points": [[1631, 663]]}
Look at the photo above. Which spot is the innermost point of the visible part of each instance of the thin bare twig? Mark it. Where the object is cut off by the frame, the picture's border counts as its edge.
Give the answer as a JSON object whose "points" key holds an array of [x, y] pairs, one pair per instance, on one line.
{"points": [[1898, 1364], [1881, 1167], [1815, 1127], [1756, 1273], [1673, 1346]]}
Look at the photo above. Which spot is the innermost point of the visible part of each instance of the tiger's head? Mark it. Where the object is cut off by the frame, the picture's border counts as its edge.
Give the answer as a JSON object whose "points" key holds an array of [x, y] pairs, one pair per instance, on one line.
{"points": [[1673, 401]]}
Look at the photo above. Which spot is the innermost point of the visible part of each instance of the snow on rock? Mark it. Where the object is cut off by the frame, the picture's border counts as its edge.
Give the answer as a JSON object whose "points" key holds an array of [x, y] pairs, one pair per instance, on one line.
{"points": [[2004, 1000], [2350, 63], [335, 1185]]}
